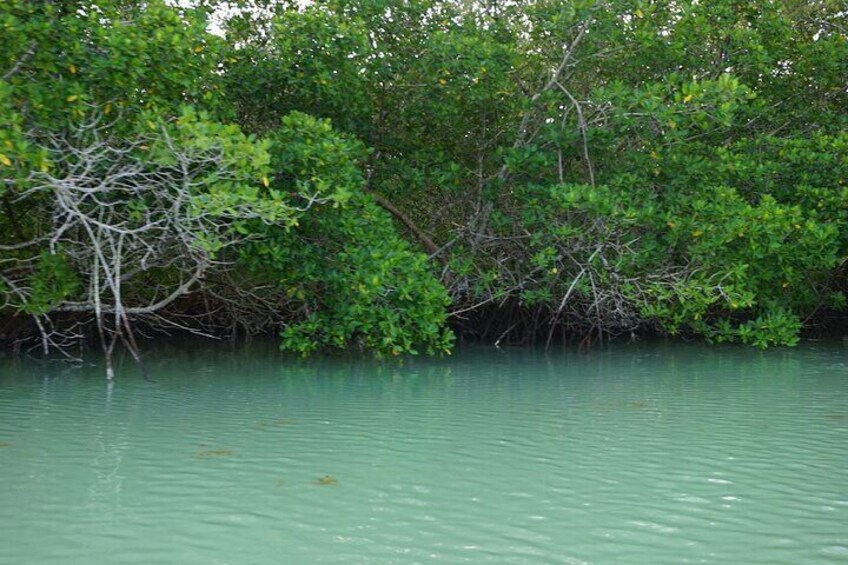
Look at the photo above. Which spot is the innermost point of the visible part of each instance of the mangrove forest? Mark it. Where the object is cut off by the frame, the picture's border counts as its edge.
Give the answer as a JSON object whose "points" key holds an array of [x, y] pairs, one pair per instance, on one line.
{"points": [[394, 176]]}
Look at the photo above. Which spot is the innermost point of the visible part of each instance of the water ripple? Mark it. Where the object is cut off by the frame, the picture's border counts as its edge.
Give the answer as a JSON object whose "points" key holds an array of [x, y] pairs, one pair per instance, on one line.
{"points": [[634, 454]]}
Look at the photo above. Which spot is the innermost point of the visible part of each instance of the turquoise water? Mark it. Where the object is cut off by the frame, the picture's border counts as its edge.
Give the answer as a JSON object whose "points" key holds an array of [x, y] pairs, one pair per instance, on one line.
{"points": [[634, 454]]}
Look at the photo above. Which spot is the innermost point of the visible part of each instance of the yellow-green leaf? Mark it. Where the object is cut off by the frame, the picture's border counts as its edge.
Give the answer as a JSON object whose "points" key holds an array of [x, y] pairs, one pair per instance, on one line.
{"points": [[5, 160]]}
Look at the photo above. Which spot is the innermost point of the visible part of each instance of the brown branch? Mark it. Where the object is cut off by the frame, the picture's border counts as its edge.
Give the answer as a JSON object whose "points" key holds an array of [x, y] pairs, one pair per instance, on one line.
{"points": [[521, 139], [583, 127], [425, 240]]}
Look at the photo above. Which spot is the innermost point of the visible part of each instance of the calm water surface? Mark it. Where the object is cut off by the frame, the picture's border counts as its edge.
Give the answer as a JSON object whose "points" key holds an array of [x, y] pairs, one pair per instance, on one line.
{"points": [[635, 454]]}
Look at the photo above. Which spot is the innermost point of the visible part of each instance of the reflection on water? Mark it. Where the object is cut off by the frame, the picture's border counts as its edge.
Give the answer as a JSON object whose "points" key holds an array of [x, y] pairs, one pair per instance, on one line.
{"points": [[632, 454]]}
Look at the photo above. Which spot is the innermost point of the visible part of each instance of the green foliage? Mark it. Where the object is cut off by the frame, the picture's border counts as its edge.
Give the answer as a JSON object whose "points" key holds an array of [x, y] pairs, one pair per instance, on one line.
{"points": [[420, 83], [52, 281], [131, 56], [322, 165], [751, 269], [363, 285], [354, 279], [237, 186], [17, 155]]}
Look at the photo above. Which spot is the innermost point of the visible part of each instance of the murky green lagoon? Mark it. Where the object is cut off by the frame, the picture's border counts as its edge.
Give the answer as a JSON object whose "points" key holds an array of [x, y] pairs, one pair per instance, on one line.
{"points": [[634, 454]]}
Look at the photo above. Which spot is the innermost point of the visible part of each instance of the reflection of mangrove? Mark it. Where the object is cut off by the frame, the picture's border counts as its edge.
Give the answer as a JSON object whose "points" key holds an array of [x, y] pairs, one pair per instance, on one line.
{"points": [[326, 480], [104, 492], [832, 417], [209, 453]]}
